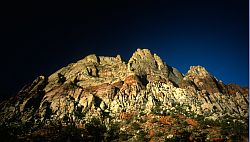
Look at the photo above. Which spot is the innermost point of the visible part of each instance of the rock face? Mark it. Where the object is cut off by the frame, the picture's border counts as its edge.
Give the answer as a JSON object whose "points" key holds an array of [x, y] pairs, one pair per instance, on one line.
{"points": [[107, 87]]}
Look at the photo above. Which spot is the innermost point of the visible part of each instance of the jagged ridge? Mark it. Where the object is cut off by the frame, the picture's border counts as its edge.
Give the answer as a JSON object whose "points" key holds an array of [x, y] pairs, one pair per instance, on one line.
{"points": [[97, 86]]}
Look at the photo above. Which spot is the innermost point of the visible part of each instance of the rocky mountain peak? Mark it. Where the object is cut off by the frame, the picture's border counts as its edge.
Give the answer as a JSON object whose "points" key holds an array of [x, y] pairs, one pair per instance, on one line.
{"points": [[151, 67], [90, 59], [107, 98], [197, 71], [143, 62]]}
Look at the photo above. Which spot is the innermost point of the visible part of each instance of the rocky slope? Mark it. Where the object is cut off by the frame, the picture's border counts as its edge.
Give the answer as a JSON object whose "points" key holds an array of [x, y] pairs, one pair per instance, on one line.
{"points": [[106, 93]]}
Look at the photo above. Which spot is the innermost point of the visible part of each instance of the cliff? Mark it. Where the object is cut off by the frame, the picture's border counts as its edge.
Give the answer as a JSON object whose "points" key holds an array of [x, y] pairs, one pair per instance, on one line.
{"points": [[102, 92]]}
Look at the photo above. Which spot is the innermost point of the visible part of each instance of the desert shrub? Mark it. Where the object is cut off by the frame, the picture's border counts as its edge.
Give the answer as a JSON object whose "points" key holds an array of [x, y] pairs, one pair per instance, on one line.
{"points": [[129, 120], [236, 129], [136, 126], [181, 137], [124, 136], [113, 132], [175, 138], [142, 136], [96, 129]]}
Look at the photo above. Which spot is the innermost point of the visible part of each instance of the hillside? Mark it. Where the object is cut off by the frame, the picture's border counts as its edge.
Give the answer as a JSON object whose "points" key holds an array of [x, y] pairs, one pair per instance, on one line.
{"points": [[107, 99]]}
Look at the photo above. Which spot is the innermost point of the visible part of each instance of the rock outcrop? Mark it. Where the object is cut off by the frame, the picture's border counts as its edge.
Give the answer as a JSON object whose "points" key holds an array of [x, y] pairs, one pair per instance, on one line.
{"points": [[107, 87]]}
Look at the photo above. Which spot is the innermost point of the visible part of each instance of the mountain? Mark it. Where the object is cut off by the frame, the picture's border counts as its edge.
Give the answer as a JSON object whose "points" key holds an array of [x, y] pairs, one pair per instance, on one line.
{"points": [[107, 99]]}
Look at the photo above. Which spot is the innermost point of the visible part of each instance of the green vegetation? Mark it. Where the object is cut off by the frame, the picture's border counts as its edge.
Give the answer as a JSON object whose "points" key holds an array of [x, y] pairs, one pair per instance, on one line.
{"points": [[136, 126], [142, 136], [231, 127], [133, 128], [96, 129]]}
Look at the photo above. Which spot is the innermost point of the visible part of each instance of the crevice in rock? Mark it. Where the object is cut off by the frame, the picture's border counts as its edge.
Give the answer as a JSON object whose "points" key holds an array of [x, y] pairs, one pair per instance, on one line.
{"points": [[143, 80]]}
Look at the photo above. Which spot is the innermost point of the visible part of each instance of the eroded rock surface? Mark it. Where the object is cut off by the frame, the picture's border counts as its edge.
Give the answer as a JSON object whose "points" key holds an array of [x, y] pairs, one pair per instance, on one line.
{"points": [[99, 86]]}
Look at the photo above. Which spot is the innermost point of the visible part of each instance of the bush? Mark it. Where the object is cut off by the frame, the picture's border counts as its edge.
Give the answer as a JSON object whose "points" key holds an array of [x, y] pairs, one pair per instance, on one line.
{"points": [[113, 132], [142, 136], [123, 136], [136, 126], [96, 129]]}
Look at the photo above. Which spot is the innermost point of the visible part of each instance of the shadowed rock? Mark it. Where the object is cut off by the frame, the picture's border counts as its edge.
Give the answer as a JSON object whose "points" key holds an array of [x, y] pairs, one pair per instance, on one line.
{"points": [[105, 87]]}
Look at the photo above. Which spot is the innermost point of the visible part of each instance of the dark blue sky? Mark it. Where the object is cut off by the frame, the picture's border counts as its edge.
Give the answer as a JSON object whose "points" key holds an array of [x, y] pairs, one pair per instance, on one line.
{"points": [[40, 38]]}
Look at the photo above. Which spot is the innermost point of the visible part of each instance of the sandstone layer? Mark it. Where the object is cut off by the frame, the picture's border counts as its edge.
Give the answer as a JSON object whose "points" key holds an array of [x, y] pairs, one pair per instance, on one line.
{"points": [[108, 87]]}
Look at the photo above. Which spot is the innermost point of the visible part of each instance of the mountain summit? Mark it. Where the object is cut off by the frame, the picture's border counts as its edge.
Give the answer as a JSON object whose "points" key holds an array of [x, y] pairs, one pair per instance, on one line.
{"points": [[106, 99]]}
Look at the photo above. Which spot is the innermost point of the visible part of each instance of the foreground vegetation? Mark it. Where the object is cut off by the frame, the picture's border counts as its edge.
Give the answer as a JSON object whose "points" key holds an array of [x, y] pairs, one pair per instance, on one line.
{"points": [[177, 125]]}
